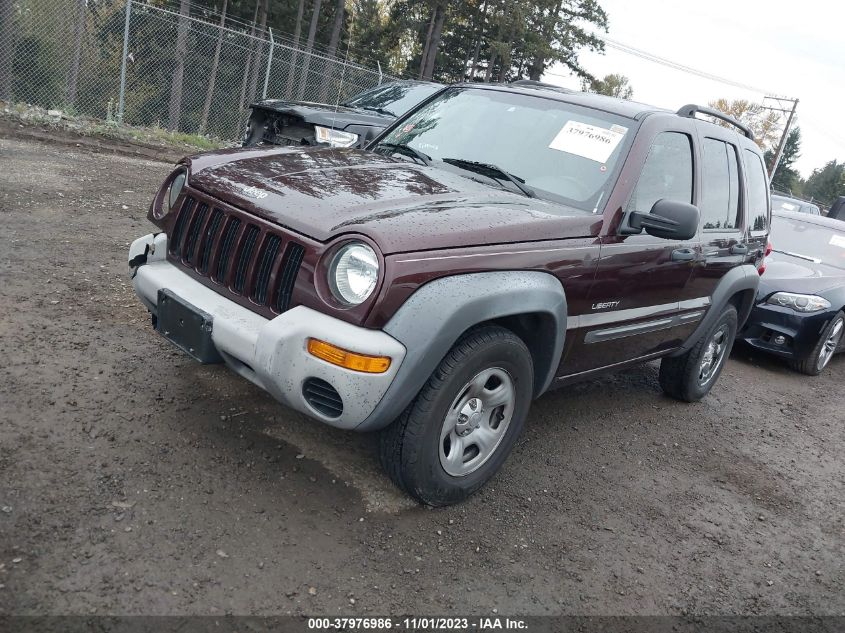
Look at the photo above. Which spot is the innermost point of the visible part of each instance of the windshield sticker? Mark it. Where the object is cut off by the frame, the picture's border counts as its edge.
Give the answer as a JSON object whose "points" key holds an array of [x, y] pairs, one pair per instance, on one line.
{"points": [[837, 240], [788, 206], [588, 141]]}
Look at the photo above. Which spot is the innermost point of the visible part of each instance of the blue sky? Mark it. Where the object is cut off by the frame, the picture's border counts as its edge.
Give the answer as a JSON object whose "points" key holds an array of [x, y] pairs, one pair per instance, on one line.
{"points": [[793, 49]]}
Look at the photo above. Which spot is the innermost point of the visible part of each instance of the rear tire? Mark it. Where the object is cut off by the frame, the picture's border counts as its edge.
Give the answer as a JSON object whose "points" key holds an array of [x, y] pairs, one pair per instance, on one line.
{"points": [[691, 376], [458, 431], [829, 342]]}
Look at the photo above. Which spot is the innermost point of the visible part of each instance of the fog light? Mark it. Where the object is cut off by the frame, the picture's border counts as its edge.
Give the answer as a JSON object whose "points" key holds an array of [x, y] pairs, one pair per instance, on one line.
{"points": [[350, 360], [780, 339]]}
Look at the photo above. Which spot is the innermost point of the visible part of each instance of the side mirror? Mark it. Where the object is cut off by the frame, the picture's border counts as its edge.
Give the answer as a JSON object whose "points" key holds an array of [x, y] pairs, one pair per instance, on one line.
{"points": [[668, 220]]}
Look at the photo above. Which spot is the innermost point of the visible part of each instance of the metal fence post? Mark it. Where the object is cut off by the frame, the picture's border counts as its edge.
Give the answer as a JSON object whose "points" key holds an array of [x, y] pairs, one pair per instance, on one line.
{"points": [[380, 75], [122, 99], [269, 63]]}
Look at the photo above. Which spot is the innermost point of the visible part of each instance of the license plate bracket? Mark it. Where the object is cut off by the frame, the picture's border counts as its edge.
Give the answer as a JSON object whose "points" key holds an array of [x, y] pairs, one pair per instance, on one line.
{"points": [[187, 327]]}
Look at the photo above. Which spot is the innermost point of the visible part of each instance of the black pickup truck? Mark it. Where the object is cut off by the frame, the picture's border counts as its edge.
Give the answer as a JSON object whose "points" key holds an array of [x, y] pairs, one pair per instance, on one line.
{"points": [[352, 123]]}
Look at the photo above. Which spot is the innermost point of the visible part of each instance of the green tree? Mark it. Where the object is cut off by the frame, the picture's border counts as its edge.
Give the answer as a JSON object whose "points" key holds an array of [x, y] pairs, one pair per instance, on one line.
{"points": [[613, 85], [786, 178], [826, 183], [558, 31], [765, 124]]}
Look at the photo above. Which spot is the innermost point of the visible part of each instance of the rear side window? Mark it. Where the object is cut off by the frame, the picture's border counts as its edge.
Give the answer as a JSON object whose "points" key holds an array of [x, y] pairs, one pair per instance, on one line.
{"points": [[720, 187], [758, 198], [667, 172]]}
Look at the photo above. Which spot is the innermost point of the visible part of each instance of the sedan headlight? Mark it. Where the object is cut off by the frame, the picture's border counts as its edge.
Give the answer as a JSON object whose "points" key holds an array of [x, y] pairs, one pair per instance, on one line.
{"points": [[799, 303], [171, 194], [353, 273], [335, 138]]}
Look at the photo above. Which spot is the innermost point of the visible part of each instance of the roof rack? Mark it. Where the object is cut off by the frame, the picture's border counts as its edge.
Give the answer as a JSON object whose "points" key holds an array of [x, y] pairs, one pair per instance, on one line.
{"points": [[690, 110]]}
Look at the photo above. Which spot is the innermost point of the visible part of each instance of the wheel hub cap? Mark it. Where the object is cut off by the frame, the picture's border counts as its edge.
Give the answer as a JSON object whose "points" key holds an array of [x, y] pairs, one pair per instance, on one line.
{"points": [[469, 417], [477, 421], [713, 356]]}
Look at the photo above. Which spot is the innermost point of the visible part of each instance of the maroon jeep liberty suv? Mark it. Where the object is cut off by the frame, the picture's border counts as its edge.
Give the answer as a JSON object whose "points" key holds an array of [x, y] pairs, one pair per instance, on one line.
{"points": [[494, 243]]}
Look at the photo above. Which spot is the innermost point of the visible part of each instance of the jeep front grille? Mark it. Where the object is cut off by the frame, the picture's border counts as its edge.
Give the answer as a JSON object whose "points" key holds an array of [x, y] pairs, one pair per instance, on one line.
{"points": [[245, 258], [293, 260], [227, 244], [256, 262], [196, 224], [265, 264], [208, 240]]}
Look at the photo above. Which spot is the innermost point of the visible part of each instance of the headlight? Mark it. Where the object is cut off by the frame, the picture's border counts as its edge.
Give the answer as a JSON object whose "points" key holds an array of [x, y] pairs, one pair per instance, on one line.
{"points": [[353, 273], [335, 138], [799, 303], [177, 182]]}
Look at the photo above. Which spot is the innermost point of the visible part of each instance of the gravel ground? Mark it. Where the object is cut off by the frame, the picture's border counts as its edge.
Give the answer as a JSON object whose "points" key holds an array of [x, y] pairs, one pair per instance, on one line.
{"points": [[133, 480]]}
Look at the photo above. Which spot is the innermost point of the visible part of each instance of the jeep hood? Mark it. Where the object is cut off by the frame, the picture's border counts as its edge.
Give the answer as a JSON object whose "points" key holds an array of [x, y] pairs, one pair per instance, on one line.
{"points": [[323, 193]]}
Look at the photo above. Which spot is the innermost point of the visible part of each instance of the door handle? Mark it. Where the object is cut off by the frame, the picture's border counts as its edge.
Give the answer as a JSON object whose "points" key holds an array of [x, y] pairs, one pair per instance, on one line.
{"points": [[739, 249], [683, 255]]}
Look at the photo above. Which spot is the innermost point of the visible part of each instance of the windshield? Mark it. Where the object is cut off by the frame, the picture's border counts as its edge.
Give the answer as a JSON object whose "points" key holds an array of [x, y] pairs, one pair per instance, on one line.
{"points": [[393, 99], [810, 241], [561, 152]]}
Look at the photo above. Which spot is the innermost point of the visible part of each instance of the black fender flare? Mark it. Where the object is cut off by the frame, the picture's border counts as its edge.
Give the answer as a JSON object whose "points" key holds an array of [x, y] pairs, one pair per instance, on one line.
{"points": [[740, 280], [430, 322]]}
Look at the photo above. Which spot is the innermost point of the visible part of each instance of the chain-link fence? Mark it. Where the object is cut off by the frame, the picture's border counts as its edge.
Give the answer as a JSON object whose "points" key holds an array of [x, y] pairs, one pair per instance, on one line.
{"points": [[179, 73]]}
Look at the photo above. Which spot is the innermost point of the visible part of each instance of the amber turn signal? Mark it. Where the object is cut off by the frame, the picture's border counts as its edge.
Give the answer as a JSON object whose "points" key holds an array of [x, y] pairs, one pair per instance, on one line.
{"points": [[345, 358]]}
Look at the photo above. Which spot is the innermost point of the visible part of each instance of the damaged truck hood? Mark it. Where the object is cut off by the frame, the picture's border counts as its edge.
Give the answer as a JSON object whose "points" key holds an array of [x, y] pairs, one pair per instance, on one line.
{"points": [[323, 193], [339, 117]]}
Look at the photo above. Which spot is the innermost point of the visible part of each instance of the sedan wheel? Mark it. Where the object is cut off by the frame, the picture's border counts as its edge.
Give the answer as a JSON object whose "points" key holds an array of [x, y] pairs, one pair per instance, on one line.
{"points": [[830, 344]]}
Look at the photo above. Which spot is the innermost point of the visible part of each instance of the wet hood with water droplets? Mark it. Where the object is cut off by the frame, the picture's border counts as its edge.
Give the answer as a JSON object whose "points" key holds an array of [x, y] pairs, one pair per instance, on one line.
{"points": [[323, 193]]}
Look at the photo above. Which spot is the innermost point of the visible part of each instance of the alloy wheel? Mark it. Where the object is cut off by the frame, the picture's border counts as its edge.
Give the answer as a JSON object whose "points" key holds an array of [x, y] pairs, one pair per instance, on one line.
{"points": [[714, 355], [830, 345]]}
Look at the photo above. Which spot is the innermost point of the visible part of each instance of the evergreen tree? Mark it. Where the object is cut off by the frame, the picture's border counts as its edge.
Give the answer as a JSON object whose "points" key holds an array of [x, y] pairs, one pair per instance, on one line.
{"points": [[786, 178], [826, 183]]}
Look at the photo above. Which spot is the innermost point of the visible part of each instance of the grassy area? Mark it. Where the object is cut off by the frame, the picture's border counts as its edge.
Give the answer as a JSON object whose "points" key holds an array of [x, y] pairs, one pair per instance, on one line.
{"points": [[155, 135], [67, 121]]}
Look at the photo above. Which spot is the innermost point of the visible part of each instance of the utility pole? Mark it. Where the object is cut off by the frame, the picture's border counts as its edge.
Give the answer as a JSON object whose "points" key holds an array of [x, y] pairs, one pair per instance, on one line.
{"points": [[269, 63], [779, 153]]}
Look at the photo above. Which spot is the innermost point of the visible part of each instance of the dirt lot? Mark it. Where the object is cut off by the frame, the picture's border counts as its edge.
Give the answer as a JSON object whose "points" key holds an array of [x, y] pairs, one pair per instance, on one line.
{"points": [[133, 480]]}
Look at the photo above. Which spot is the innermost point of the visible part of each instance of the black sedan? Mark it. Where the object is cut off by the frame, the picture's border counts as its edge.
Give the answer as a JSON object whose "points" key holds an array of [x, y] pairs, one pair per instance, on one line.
{"points": [[799, 311], [352, 123]]}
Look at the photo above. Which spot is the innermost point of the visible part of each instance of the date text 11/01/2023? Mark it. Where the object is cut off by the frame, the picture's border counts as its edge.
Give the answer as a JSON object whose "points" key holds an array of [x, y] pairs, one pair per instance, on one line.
{"points": [[493, 623]]}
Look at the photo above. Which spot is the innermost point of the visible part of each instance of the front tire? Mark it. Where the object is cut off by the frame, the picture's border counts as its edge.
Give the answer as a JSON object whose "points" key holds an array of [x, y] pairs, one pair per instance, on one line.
{"points": [[691, 376], [461, 427], [829, 342]]}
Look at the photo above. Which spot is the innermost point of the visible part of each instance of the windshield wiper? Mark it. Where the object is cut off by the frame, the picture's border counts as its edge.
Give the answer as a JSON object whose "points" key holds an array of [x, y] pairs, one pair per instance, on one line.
{"points": [[384, 111], [491, 171], [399, 148], [799, 256]]}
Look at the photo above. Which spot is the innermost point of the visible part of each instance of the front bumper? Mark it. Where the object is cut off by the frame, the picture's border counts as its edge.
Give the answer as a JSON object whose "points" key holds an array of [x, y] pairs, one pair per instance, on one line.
{"points": [[272, 353], [800, 332]]}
